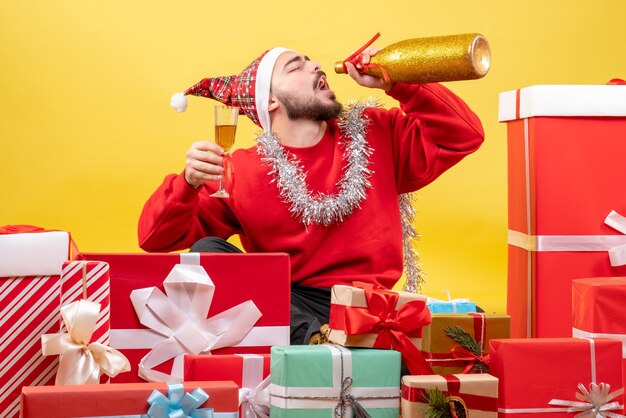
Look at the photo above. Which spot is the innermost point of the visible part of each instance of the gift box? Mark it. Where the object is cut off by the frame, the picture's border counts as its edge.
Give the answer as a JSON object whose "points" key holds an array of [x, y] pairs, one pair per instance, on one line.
{"points": [[599, 310], [565, 152], [323, 380], [364, 316], [245, 296], [27, 250], [249, 371], [129, 399], [447, 355], [474, 394], [88, 280], [460, 305], [30, 263], [547, 376]]}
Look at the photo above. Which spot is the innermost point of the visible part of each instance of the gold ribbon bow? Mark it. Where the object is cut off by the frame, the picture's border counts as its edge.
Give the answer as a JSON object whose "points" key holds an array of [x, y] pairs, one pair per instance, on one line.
{"points": [[593, 403], [81, 362]]}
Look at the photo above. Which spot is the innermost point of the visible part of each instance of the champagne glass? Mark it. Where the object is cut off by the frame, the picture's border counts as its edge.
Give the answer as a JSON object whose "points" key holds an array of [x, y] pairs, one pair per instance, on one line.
{"points": [[225, 127]]}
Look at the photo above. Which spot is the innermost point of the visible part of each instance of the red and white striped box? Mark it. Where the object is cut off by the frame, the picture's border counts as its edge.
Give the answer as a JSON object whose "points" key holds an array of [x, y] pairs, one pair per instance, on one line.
{"points": [[29, 307], [88, 280]]}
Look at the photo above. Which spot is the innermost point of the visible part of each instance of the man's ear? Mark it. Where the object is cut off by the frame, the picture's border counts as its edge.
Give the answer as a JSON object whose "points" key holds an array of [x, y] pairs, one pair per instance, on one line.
{"points": [[273, 103]]}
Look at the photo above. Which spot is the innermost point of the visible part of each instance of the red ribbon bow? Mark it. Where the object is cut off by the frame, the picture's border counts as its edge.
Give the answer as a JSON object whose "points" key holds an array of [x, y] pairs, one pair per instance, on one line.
{"points": [[357, 57], [394, 327], [464, 354]]}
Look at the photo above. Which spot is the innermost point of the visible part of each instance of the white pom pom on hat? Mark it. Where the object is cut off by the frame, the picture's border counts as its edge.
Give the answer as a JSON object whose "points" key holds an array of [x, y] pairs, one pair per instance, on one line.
{"points": [[179, 102]]}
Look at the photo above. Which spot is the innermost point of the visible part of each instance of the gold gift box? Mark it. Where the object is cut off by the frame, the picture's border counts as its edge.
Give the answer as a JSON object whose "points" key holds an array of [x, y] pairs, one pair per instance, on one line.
{"points": [[437, 345]]}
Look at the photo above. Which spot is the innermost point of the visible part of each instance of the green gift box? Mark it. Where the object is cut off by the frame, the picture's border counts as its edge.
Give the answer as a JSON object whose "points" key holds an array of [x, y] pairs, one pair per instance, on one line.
{"points": [[316, 381]]}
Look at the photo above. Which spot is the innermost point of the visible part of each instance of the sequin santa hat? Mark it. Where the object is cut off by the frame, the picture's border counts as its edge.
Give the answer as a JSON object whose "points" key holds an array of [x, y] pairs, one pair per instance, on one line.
{"points": [[248, 91]]}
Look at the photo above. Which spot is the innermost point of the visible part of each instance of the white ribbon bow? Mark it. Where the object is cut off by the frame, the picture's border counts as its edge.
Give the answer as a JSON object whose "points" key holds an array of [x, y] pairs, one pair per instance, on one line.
{"points": [[181, 317], [593, 403], [617, 255], [81, 362], [255, 403]]}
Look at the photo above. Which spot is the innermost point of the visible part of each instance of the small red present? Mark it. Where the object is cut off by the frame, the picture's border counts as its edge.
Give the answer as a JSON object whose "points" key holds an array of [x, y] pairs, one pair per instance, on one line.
{"points": [[547, 376], [130, 399], [250, 372], [220, 287], [599, 310]]}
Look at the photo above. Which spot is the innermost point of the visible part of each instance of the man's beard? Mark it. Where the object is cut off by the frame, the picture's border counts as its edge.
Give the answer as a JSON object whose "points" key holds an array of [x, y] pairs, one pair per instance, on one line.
{"points": [[310, 108]]}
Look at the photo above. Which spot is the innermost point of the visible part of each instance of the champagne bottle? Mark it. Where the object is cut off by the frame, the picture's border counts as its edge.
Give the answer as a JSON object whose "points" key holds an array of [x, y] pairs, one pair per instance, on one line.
{"points": [[429, 60]]}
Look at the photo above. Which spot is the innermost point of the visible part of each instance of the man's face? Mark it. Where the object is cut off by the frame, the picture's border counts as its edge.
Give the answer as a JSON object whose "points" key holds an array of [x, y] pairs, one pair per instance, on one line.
{"points": [[302, 88]]}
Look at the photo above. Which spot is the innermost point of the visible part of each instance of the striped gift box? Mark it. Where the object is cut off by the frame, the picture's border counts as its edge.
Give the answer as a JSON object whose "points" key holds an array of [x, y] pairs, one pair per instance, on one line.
{"points": [[29, 308], [31, 260], [88, 280]]}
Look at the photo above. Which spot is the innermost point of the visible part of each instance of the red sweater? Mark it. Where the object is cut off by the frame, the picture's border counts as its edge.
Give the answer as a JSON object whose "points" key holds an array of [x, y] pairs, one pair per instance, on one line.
{"points": [[411, 148]]}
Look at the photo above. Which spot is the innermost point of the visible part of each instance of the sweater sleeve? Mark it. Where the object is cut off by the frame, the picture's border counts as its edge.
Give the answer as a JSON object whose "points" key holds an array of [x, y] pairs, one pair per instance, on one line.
{"points": [[177, 215], [433, 131]]}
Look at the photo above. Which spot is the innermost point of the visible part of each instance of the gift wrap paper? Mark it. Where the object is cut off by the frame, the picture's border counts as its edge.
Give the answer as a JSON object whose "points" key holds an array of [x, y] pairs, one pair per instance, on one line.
{"points": [[437, 345], [565, 175], [116, 399], [479, 392], [441, 306], [306, 381], [347, 296], [532, 372], [30, 269], [88, 280], [599, 310], [248, 371], [263, 279]]}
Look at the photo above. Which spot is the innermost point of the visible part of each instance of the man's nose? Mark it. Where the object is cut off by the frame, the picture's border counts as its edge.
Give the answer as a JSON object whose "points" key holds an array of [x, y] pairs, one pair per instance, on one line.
{"points": [[315, 66]]}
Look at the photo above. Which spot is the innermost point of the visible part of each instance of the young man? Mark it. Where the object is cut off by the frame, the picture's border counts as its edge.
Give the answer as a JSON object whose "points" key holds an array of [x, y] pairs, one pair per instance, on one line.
{"points": [[321, 185]]}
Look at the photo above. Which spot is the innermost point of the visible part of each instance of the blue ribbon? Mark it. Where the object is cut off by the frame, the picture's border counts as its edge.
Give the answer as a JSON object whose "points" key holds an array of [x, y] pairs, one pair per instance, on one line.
{"points": [[177, 404]]}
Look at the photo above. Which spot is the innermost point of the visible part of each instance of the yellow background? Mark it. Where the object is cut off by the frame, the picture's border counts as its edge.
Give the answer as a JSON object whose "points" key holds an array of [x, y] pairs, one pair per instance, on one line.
{"points": [[87, 134]]}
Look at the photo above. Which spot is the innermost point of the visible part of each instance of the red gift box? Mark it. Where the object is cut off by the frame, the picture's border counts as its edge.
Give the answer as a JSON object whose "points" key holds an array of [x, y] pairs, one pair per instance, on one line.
{"points": [[599, 310], [116, 399], [261, 278], [30, 261], [565, 152], [249, 371], [533, 372]]}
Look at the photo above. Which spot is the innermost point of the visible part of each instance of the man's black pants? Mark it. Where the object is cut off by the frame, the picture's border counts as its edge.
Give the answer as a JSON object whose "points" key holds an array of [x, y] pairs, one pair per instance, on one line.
{"points": [[309, 305]]}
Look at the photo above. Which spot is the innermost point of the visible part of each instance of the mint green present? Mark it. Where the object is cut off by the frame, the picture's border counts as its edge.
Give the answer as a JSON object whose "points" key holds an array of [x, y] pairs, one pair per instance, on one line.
{"points": [[329, 381]]}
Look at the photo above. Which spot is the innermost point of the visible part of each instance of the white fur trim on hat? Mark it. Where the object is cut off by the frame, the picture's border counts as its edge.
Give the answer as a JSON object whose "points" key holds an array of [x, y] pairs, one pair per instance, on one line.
{"points": [[263, 84]]}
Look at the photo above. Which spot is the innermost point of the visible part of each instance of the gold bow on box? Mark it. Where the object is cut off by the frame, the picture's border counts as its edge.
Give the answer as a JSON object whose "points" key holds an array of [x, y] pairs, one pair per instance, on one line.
{"points": [[81, 362]]}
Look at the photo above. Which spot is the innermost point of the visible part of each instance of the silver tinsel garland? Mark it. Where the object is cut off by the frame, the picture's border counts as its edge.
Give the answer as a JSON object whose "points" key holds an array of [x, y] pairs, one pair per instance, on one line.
{"points": [[326, 209], [415, 275]]}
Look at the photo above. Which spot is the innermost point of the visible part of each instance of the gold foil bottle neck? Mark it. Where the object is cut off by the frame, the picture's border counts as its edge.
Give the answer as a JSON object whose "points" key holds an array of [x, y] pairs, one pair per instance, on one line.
{"points": [[433, 59]]}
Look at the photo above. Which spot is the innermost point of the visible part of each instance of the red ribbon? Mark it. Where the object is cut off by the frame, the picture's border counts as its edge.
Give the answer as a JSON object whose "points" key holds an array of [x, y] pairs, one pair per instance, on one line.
{"points": [[475, 402], [465, 355], [395, 328], [357, 57], [20, 229]]}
